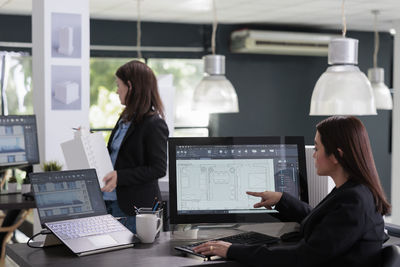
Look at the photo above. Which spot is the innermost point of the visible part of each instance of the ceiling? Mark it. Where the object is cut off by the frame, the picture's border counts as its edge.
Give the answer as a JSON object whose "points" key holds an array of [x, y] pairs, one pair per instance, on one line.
{"points": [[317, 13]]}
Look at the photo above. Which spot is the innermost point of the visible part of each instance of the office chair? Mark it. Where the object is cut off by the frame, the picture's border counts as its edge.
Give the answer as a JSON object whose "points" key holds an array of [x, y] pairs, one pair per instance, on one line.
{"points": [[11, 222], [391, 256]]}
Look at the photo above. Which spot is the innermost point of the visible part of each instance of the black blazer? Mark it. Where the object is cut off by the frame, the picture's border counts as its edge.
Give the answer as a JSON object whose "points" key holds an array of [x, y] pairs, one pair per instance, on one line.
{"points": [[141, 161], [343, 230]]}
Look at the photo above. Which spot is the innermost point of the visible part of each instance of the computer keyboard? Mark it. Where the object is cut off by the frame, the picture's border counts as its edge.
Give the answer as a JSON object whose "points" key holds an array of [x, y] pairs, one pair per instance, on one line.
{"points": [[85, 227], [246, 238]]}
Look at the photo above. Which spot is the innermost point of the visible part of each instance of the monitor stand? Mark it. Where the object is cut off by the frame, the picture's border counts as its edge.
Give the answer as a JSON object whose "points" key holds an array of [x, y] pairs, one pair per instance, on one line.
{"points": [[51, 240], [184, 232], [216, 225], [189, 231]]}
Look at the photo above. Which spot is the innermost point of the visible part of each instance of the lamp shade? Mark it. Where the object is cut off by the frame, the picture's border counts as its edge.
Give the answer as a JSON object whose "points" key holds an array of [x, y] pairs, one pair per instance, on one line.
{"points": [[343, 89], [383, 98], [215, 93]]}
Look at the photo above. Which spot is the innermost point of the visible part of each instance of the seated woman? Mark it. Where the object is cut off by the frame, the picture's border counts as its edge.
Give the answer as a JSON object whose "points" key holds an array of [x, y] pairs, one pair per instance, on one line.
{"points": [[346, 227]]}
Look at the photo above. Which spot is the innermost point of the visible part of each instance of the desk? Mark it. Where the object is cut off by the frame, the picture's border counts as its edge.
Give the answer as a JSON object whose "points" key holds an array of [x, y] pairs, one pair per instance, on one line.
{"points": [[15, 201], [159, 254], [13, 204]]}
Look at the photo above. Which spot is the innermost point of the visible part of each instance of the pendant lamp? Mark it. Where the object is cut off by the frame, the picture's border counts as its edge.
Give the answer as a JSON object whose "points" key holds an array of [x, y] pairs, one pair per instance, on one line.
{"points": [[383, 98], [342, 89], [215, 93]]}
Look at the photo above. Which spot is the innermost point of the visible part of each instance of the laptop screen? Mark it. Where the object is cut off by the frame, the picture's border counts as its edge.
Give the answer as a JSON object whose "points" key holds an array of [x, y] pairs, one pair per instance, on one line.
{"points": [[67, 195]]}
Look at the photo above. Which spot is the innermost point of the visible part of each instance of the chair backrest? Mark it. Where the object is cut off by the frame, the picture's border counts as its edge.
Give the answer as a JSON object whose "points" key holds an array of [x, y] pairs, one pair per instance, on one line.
{"points": [[12, 221], [391, 256]]}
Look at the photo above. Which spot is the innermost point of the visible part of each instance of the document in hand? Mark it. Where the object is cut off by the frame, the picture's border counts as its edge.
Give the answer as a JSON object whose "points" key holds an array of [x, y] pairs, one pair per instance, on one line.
{"points": [[88, 150]]}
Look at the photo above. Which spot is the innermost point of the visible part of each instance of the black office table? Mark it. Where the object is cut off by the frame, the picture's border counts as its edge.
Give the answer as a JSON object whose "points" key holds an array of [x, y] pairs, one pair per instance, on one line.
{"points": [[15, 201], [159, 254], [14, 204]]}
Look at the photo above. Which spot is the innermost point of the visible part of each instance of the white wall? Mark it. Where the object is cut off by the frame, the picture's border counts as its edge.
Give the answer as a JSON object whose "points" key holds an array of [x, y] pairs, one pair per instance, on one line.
{"points": [[395, 218], [167, 94], [54, 124]]}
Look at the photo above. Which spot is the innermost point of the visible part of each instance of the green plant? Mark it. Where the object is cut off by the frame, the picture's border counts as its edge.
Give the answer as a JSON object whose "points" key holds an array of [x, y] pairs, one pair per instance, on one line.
{"points": [[26, 180], [51, 166], [12, 179]]}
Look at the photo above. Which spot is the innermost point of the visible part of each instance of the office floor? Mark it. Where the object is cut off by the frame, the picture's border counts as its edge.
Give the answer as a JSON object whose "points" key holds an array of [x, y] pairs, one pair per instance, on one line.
{"points": [[9, 263], [20, 238]]}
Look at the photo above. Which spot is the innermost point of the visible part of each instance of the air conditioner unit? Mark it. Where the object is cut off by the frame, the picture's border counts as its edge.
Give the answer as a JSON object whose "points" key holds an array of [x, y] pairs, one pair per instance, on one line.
{"points": [[281, 43]]}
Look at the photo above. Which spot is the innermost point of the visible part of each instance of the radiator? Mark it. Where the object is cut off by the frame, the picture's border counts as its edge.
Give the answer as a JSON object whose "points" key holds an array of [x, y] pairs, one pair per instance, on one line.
{"points": [[318, 186]]}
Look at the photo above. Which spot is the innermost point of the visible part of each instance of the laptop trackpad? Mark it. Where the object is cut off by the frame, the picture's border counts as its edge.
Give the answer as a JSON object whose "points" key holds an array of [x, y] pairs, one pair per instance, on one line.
{"points": [[102, 241]]}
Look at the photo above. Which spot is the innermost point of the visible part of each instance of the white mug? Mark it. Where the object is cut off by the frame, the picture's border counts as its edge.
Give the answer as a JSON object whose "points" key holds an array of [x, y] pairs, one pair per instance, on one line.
{"points": [[147, 227]]}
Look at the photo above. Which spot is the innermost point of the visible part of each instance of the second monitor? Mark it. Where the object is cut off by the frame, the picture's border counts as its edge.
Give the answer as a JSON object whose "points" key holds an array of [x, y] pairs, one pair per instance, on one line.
{"points": [[209, 177], [18, 141]]}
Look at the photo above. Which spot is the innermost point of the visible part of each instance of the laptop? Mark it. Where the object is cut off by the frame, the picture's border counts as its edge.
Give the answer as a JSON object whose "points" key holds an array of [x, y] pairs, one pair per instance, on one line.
{"points": [[70, 204]]}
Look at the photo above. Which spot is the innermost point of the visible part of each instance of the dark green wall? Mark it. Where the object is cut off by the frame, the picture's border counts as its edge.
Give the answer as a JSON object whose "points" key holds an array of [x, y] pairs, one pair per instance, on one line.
{"points": [[274, 90]]}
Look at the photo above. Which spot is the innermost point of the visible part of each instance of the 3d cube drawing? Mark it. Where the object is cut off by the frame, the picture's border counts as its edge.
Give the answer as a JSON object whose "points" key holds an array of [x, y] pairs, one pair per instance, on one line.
{"points": [[65, 40], [66, 92]]}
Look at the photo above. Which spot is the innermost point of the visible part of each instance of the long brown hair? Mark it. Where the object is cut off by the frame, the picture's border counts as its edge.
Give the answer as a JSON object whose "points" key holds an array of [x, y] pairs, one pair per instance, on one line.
{"points": [[144, 99], [349, 134]]}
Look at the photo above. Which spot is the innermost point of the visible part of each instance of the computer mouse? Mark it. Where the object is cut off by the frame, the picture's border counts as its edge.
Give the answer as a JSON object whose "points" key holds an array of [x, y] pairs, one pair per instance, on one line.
{"points": [[291, 237]]}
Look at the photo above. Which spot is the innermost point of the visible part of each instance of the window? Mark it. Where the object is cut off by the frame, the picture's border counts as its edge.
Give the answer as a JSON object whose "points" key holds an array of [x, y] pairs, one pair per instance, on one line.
{"points": [[16, 83], [187, 74], [104, 102]]}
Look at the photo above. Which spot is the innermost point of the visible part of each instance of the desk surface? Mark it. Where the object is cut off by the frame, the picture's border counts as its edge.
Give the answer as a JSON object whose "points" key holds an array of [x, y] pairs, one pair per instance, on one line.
{"points": [[159, 254], [15, 201]]}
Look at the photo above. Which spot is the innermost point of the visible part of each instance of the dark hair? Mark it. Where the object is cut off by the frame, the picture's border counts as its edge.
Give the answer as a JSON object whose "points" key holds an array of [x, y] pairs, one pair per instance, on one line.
{"points": [[144, 99], [349, 134]]}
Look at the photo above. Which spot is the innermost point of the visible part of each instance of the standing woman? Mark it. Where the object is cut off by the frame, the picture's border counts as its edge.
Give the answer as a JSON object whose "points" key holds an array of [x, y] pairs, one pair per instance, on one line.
{"points": [[346, 227], [137, 145]]}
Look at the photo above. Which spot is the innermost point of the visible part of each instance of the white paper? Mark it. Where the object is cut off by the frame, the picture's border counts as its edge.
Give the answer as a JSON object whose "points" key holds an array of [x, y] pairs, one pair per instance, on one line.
{"points": [[88, 151]]}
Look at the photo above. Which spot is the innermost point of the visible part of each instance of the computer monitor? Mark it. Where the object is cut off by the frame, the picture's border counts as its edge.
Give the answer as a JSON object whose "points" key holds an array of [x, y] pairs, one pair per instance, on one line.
{"points": [[65, 195], [209, 177], [18, 141]]}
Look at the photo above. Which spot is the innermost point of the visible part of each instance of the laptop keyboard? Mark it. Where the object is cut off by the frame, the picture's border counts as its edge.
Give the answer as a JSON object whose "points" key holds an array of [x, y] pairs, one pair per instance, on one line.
{"points": [[85, 227], [248, 238]]}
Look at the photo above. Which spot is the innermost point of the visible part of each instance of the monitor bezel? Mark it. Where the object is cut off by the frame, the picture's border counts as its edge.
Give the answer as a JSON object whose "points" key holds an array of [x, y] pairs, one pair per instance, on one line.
{"points": [[173, 142], [90, 174], [23, 164]]}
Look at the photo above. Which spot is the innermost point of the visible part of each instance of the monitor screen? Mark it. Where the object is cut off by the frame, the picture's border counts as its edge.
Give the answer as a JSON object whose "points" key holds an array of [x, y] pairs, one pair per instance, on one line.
{"points": [[18, 140], [67, 195], [209, 177]]}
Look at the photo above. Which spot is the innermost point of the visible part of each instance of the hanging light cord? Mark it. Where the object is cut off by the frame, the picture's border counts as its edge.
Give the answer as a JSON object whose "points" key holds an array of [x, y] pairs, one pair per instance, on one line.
{"points": [[214, 27], [376, 43], [5, 3], [138, 32], [344, 30]]}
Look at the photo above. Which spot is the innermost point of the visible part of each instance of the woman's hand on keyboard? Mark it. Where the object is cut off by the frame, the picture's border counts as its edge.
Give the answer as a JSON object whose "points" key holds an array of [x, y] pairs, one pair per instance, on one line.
{"points": [[268, 198], [210, 248]]}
